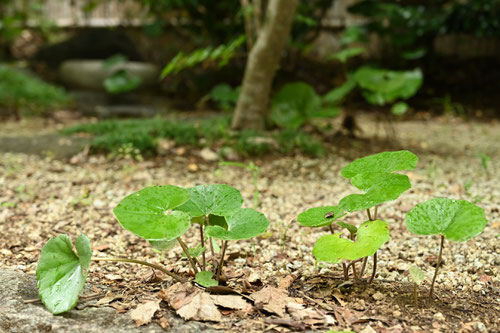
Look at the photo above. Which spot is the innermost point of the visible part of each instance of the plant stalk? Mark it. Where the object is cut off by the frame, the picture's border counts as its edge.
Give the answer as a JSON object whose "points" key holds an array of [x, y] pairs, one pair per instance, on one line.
{"points": [[365, 260], [437, 266], [415, 298], [346, 272], [204, 260], [354, 273], [221, 261], [374, 272], [186, 252], [369, 214], [145, 263]]}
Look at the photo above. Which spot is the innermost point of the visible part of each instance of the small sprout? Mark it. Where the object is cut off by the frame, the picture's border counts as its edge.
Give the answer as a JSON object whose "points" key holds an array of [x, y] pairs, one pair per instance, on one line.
{"points": [[205, 279], [417, 276]]}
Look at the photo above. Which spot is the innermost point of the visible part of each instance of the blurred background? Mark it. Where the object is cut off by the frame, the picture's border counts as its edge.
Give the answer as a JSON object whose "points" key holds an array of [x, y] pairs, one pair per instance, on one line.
{"points": [[137, 77]]}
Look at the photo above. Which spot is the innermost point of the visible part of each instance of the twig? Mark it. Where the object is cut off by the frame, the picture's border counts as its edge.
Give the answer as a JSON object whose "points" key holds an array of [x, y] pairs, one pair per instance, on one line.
{"points": [[145, 263], [437, 266]]}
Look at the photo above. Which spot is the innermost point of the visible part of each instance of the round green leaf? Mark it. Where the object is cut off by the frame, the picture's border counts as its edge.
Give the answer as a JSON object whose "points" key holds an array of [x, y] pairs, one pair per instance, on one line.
{"points": [[244, 223], [371, 236], [416, 274], [379, 187], [457, 220], [216, 199], [399, 108], [61, 273], [147, 213], [320, 216], [388, 161], [205, 279]]}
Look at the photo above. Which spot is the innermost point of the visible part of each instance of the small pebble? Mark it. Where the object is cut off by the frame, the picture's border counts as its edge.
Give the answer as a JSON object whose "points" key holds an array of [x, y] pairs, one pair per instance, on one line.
{"points": [[378, 296], [481, 327], [477, 288], [396, 313], [439, 316]]}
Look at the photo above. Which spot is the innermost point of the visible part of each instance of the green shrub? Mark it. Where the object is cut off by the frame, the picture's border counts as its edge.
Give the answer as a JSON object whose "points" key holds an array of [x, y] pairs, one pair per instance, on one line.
{"points": [[28, 95]]}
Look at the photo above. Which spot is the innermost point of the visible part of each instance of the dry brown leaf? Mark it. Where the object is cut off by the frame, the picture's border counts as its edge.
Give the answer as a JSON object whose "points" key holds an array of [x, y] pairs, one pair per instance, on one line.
{"points": [[108, 299], [339, 297], [300, 312], [286, 282], [200, 308], [144, 312], [272, 299], [234, 302], [179, 294]]}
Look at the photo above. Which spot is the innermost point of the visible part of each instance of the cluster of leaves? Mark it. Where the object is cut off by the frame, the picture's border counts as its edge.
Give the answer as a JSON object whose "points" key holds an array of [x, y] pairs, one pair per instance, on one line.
{"points": [[296, 104], [144, 135], [219, 55], [455, 220], [160, 215], [120, 80], [380, 87], [28, 95], [410, 28], [375, 176], [225, 96]]}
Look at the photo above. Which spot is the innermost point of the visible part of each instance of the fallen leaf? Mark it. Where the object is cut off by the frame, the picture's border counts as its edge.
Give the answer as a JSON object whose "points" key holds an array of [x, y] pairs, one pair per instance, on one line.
{"points": [[300, 312], [272, 300], [144, 312], [108, 299], [179, 294], [339, 297], [286, 282], [200, 308], [234, 302]]}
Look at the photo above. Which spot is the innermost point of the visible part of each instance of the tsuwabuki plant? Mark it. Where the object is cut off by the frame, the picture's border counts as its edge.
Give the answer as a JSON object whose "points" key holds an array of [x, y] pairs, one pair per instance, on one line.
{"points": [[374, 175], [160, 215], [455, 220]]}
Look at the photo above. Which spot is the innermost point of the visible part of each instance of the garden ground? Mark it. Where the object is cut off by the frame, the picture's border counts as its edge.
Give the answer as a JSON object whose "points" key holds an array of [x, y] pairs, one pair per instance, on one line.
{"points": [[42, 197]]}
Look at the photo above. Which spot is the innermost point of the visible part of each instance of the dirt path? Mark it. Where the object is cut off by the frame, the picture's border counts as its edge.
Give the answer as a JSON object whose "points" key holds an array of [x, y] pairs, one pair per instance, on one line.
{"points": [[42, 197]]}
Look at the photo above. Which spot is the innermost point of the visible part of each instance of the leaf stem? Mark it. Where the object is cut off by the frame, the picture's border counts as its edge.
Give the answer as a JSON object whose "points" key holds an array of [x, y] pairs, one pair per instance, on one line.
{"points": [[354, 273], [145, 263], [369, 214], [374, 272], [221, 261], [365, 260], [437, 266], [204, 260], [346, 272], [186, 252]]}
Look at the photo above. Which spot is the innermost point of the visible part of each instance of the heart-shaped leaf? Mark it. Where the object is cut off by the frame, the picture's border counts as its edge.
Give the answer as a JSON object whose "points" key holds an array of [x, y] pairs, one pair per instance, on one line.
{"points": [[371, 236], [205, 279], [320, 216], [388, 161], [147, 213], [216, 199], [457, 220], [244, 223], [385, 187], [61, 273]]}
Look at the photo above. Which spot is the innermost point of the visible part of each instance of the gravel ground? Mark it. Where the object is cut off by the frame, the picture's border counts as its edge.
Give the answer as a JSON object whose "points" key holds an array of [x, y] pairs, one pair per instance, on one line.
{"points": [[41, 197]]}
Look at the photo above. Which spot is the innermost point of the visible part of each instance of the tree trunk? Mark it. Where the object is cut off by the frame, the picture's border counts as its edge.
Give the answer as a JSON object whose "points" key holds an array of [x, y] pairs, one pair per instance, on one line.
{"points": [[263, 60]]}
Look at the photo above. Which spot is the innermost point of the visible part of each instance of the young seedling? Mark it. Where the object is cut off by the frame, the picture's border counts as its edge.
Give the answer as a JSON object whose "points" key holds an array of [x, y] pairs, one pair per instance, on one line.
{"points": [[417, 277], [374, 176], [455, 220], [160, 215]]}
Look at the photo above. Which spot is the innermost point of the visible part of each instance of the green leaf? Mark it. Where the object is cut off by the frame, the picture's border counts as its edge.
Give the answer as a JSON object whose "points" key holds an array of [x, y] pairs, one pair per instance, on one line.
{"points": [[162, 245], [385, 187], [399, 108], [346, 54], [336, 96], [121, 81], [61, 273], [294, 104], [216, 199], [352, 229], [205, 279], [457, 220], [371, 236], [244, 223], [381, 86], [416, 274], [195, 251], [320, 216], [388, 161], [147, 213]]}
